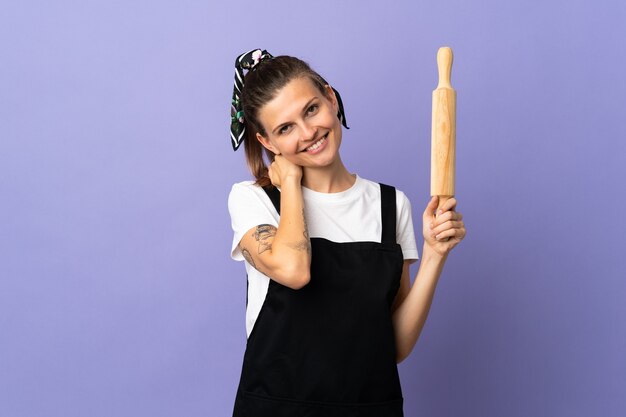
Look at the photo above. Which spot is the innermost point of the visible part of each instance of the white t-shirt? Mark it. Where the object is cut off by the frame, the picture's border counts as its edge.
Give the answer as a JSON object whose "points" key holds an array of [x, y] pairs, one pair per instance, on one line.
{"points": [[348, 216]]}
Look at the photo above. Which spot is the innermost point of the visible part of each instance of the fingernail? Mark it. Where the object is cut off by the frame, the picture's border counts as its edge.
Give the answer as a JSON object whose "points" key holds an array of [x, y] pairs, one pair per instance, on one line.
{"points": [[439, 211]]}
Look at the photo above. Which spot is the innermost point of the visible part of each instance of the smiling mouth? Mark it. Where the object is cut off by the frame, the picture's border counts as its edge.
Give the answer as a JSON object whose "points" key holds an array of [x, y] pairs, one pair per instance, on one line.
{"points": [[317, 144]]}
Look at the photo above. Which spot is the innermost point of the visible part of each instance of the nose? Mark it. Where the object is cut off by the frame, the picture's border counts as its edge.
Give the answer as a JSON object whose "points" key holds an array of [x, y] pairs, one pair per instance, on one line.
{"points": [[309, 132]]}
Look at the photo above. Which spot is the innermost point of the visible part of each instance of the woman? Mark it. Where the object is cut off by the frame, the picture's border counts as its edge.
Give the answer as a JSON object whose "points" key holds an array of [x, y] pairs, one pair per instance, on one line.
{"points": [[330, 308]]}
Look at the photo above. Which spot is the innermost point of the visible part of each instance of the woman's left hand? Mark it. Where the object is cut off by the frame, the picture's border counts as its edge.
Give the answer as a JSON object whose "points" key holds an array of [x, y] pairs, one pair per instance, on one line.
{"points": [[447, 224]]}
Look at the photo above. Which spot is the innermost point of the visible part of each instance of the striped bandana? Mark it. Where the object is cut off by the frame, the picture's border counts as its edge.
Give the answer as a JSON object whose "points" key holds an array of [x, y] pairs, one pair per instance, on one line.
{"points": [[249, 61]]}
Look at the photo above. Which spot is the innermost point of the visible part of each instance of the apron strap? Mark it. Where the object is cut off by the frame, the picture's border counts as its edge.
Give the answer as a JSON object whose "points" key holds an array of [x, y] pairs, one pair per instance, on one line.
{"points": [[274, 195], [388, 213]]}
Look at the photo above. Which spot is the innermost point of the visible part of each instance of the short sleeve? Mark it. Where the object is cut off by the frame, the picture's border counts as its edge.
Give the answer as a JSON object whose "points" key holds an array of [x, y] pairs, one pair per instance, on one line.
{"points": [[405, 234], [248, 206]]}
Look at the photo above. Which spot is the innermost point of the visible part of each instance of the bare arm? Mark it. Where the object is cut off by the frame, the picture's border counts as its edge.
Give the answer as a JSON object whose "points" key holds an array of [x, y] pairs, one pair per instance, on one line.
{"points": [[412, 304], [283, 253], [410, 310]]}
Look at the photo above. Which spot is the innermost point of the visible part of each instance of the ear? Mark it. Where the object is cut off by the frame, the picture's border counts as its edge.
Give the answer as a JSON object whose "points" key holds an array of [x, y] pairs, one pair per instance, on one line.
{"points": [[330, 93], [266, 143]]}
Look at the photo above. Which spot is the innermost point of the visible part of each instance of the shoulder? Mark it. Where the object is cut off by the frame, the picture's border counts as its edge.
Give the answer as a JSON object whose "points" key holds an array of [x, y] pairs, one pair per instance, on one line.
{"points": [[244, 185], [247, 197], [249, 206], [244, 190], [402, 201], [373, 187]]}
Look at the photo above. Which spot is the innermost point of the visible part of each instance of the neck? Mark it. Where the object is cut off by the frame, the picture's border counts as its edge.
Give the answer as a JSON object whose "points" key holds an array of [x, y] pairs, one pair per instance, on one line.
{"points": [[331, 179]]}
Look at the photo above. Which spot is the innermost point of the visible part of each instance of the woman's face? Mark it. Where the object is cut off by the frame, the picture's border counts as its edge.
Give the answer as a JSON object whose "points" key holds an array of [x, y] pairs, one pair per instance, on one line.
{"points": [[301, 124]]}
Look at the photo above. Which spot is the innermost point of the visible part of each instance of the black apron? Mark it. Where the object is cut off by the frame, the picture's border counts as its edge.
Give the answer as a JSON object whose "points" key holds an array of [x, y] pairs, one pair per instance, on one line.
{"points": [[328, 349]]}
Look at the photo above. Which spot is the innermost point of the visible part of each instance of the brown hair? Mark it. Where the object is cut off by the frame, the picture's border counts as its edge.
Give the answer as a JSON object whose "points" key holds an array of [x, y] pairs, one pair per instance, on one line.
{"points": [[261, 85]]}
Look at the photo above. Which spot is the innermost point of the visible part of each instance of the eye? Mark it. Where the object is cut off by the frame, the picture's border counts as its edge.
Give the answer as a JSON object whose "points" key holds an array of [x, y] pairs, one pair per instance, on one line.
{"points": [[312, 108], [284, 129]]}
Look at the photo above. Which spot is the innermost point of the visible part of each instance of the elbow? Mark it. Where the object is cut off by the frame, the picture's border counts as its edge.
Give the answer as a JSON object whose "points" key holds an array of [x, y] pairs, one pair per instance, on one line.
{"points": [[402, 354], [296, 277], [300, 283], [300, 277]]}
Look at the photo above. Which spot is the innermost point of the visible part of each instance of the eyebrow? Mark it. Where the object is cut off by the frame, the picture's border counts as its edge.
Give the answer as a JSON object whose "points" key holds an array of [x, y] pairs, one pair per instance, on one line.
{"points": [[306, 106]]}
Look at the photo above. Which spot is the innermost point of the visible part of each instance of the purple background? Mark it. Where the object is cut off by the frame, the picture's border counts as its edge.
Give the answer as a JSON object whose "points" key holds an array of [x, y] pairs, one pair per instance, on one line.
{"points": [[117, 294]]}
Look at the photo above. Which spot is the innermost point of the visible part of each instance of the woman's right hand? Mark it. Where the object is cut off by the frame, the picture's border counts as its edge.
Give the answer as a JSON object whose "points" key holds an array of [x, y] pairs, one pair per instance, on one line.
{"points": [[281, 169]]}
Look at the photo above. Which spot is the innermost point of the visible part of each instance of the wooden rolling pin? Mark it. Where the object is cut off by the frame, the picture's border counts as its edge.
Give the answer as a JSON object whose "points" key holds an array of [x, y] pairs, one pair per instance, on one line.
{"points": [[443, 139]]}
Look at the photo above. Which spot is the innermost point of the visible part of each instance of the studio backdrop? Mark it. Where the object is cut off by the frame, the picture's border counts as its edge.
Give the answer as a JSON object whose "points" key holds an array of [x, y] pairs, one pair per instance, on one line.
{"points": [[118, 296]]}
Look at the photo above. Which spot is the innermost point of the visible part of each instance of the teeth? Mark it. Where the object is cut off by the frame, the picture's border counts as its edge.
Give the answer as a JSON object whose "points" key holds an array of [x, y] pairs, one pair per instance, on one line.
{"points": [[316, 144]]}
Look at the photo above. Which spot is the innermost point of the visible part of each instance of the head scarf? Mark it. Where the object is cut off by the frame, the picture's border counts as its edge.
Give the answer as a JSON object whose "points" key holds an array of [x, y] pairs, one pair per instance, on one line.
{"points": [[248, 61]]}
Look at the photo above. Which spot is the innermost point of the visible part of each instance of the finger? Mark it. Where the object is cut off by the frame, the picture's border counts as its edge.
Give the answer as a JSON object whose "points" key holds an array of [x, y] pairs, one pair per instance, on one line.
{"points": [[271, 173], [459, 233], [446, 234], [442, 218], [450, 224], [450, 204], [431, 207]]}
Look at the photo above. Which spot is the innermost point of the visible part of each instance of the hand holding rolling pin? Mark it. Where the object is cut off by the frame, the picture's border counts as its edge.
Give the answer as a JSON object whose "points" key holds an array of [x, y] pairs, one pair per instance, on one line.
{"points": [[444, 230], [443, 227]]}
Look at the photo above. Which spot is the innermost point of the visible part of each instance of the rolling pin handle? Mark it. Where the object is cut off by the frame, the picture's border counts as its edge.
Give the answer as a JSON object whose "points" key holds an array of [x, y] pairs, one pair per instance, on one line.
{"points": [[444, 65]]}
